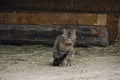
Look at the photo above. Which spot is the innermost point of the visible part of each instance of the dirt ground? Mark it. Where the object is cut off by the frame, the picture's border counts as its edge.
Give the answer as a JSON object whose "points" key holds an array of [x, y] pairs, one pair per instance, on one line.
{"points": [[33, 62]]}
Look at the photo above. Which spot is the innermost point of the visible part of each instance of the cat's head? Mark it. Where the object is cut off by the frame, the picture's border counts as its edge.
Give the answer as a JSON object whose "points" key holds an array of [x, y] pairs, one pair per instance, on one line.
{"points": [[68, 37]]}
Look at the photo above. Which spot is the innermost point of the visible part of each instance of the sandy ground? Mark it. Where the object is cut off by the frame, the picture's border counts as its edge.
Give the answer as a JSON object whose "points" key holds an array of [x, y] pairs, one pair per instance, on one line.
{"points": [[33, 62]]}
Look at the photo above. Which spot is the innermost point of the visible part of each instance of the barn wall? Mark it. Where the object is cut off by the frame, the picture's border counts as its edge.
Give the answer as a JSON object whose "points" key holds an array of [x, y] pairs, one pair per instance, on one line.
{"points": [[61, 5], [50, 18], [53, 18], [63, 12]]}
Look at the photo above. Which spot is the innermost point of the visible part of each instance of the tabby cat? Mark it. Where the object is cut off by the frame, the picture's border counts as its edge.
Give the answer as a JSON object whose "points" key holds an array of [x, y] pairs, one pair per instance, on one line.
{"points": [[63, 50]]}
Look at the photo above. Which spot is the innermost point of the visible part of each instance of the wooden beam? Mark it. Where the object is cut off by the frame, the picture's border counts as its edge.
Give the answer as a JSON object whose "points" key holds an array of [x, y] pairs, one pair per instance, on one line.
{"points": [[96, 6], [119, 25], [112, 27], [48, 18]]}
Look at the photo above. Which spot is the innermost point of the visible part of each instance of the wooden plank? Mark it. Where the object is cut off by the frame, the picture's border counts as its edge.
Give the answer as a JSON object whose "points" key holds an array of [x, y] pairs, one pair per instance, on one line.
{"points": [[102, 19], [119, 25], [109, 6], [112, 26], [48, 18]]}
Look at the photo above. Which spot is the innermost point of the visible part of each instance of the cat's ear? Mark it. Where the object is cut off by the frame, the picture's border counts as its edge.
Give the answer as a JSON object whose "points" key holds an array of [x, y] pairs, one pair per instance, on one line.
{"points": [[64, 31]]}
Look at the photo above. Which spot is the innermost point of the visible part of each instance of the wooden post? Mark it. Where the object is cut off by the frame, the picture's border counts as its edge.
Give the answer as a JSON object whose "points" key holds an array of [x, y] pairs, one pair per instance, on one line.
{"points": [[112, 26], [119, 25]]}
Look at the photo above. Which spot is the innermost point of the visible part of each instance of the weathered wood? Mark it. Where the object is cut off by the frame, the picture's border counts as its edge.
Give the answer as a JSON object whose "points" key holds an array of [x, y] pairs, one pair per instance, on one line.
{"points": [[112, 27], [119, 25], [101, 19], [61, 5], [49, 18], [46, 34]]}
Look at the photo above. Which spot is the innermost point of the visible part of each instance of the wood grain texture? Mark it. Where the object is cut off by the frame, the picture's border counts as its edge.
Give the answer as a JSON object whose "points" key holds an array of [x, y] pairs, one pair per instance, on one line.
{"points": [[112, 27], [48, 18]]}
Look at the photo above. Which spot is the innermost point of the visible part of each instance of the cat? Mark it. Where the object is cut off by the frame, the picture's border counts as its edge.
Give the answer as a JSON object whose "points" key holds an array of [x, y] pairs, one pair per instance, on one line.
{"points": [[63, 49]]}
